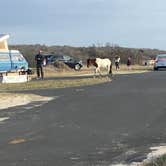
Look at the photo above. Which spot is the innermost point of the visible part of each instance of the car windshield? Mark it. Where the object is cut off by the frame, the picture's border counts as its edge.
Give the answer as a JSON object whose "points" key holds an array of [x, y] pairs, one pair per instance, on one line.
{"points": [[67, 58], [161, 57], [58, 57]]}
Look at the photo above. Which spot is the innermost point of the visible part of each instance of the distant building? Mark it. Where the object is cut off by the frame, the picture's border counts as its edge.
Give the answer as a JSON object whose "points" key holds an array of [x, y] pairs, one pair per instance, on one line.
{"points": [[3, 42]]}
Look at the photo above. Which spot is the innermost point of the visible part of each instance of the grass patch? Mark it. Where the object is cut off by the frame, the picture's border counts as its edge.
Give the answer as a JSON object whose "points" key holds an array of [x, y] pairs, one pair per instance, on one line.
{"points": [[136, 67], [51, 84], [50, 72]]}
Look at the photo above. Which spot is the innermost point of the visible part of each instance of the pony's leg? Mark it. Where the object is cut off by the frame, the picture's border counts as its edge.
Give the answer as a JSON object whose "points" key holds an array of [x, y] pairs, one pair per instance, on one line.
{"points": [[110, 70], [95, 71], [99, 71]]}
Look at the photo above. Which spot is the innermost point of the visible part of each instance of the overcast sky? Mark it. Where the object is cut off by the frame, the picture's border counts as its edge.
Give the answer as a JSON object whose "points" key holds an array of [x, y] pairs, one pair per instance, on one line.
{"points": [[128, 23]]}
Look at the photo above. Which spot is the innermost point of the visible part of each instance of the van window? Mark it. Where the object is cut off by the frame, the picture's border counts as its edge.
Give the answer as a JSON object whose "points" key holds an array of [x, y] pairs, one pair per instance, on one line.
{"points": [[4, 57], [17, 57]]}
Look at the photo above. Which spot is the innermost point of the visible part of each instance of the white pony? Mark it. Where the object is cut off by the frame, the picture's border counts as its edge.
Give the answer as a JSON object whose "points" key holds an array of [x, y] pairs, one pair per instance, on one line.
{"points": [[100, 63]]}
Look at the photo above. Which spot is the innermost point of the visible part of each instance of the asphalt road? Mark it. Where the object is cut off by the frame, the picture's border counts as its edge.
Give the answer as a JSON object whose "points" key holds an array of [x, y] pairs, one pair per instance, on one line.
{"points": [[97, 125]]}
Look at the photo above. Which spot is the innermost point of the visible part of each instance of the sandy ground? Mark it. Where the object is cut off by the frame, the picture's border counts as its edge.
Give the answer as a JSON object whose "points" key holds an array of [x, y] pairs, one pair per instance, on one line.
{"points": [[13, 99]]}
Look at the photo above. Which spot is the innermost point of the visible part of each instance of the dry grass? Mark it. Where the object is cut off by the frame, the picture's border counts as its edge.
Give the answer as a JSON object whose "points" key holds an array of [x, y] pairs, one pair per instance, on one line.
{"points": [[135, 67], [161, 161], [51, 84], [53, 73]]}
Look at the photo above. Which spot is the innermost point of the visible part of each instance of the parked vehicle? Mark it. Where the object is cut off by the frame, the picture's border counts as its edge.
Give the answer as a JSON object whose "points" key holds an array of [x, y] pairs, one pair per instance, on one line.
{"points": [[68, 60], [160, 61], [12, 60]]}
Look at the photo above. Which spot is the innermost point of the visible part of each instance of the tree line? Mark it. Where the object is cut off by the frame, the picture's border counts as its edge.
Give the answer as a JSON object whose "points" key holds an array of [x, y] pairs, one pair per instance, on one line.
{"points": [[107, 51]]}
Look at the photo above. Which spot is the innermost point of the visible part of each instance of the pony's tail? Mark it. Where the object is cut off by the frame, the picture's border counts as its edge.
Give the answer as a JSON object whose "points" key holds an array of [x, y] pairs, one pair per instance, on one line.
{"points": [[110, 72]]}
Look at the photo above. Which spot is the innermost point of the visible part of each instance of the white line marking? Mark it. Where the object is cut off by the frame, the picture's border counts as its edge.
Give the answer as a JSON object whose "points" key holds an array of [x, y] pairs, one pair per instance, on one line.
{"points": [[4, 118]]}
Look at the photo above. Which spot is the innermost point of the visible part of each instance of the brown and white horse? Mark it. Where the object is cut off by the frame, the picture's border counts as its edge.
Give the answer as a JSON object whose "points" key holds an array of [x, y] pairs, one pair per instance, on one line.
{"points": [[100, 63]]}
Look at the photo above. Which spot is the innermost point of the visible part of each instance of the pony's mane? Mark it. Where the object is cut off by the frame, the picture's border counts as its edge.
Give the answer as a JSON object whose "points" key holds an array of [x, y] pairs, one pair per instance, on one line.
{"points": [[91, 61]]}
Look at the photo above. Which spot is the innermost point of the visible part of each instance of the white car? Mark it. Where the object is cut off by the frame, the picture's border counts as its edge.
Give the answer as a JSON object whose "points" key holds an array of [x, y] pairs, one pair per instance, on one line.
{"points": [[160, 61]]}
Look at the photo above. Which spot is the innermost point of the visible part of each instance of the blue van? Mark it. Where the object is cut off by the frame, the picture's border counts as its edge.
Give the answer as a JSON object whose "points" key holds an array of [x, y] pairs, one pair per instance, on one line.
{"points": [[12, 60]]}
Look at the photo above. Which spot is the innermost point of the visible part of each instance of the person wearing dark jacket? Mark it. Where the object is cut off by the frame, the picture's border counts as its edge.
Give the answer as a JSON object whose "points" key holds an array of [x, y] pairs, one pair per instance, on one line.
{"points": [[129, 63], [39, 65]]}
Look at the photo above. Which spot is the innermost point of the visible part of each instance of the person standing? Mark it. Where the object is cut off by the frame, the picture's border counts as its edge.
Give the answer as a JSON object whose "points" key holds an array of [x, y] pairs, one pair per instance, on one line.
{"points": [[117, 61], [129, 63], [39, 65]]}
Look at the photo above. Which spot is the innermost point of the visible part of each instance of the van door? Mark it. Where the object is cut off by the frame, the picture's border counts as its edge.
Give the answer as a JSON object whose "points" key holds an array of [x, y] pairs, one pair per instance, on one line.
{"points": [[5, 62]]}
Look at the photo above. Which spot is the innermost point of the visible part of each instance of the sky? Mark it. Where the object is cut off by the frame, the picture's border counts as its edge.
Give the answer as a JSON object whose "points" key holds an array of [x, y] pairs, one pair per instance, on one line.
{"points": [[127, 23]]}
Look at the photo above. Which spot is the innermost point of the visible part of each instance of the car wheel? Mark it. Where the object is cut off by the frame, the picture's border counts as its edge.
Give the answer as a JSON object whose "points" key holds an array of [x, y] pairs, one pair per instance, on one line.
{"points": [[155, 68], [77, 67]]}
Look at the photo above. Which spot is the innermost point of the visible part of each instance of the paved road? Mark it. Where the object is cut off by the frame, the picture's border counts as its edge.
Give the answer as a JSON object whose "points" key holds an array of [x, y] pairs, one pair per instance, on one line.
{"points": [[97, 125]]}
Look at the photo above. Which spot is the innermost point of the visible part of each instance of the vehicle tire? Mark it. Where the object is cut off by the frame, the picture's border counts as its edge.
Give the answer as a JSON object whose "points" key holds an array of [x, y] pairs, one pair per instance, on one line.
{"points": [[155, 68], [77, 67]]}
